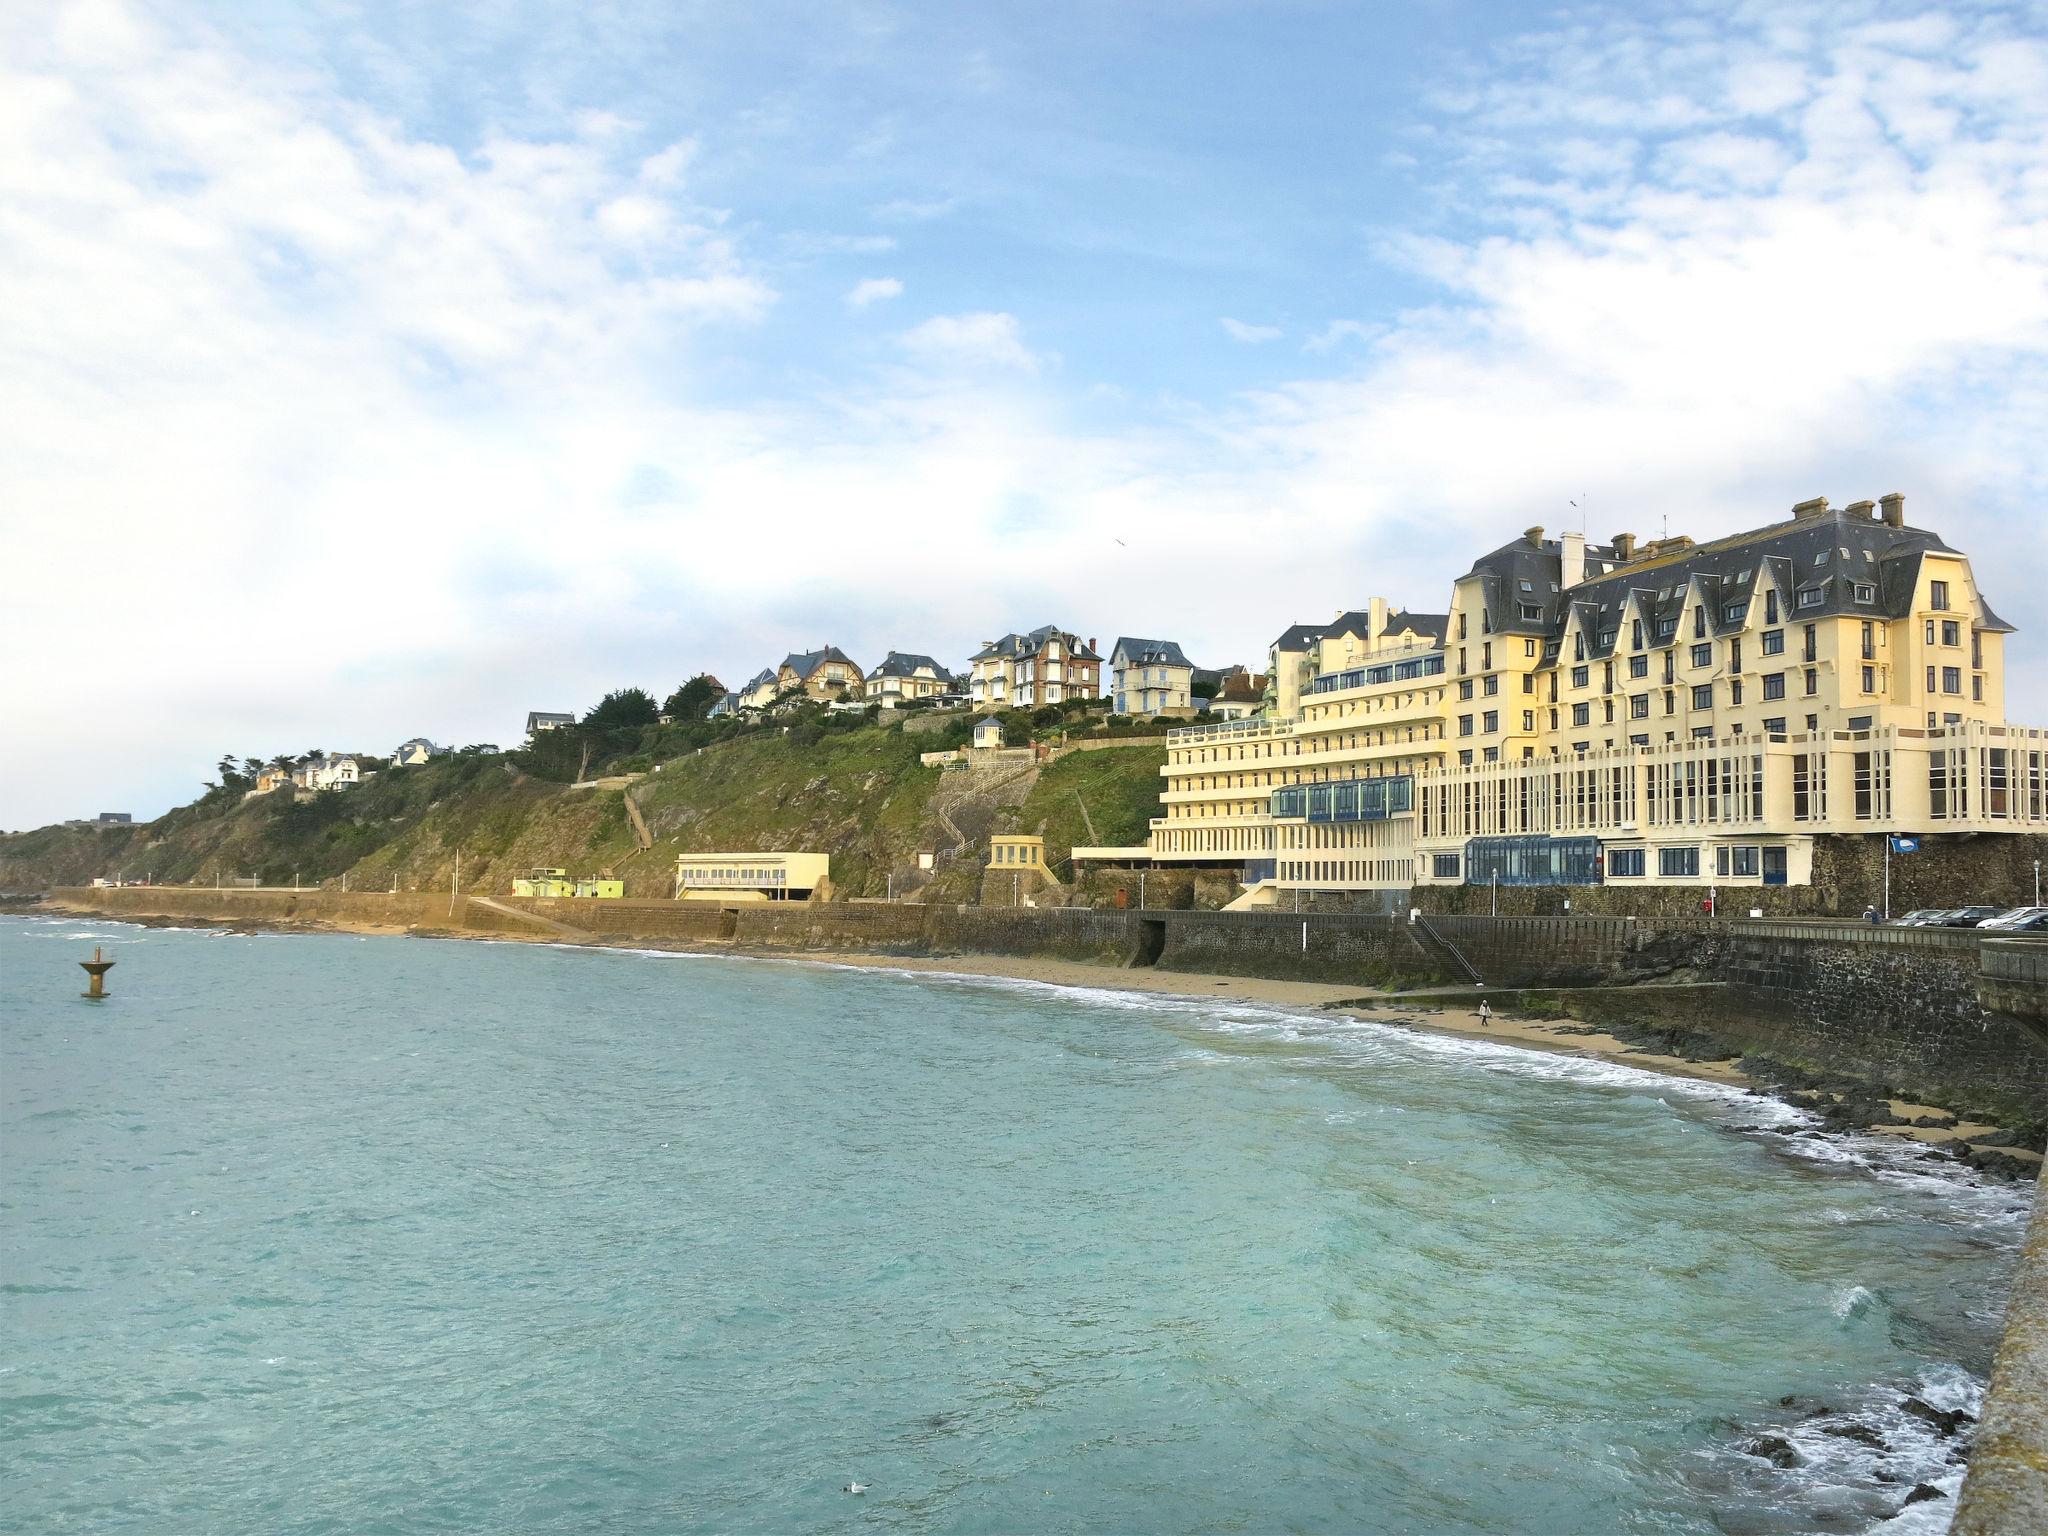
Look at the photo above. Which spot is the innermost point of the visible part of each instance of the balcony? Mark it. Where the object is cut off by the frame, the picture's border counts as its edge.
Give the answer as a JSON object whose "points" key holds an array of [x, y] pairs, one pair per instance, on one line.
{"points": [[1346, 800]]}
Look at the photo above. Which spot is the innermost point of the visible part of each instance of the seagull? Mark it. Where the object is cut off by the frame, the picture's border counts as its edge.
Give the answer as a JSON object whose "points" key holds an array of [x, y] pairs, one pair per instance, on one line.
{"points": [[855, 1488]]}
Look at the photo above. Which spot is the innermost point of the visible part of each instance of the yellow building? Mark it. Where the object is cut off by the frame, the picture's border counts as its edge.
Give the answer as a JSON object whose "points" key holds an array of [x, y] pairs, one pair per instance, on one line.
{"points": [[1726, 701], [826, 675], [545, 882], [731, 877]]}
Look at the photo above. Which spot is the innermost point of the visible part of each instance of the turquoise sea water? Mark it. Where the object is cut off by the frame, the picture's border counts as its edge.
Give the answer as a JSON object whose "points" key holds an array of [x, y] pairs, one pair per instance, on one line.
{"points": [[323, 1233]]}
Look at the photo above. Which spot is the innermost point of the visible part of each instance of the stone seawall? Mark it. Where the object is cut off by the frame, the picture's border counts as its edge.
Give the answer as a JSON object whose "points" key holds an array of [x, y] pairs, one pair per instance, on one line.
{"points": [[1922, 1012]]}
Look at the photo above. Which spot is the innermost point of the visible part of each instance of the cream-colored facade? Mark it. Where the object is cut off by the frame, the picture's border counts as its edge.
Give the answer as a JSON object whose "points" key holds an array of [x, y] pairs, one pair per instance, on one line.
{"points": [[826, 675], [731, 877], [904, 676], [1835, 672]]}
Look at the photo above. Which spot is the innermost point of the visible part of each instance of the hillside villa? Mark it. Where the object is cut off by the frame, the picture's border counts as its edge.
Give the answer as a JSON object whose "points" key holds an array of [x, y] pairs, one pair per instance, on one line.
{"points": [[1149, 677], [826, 675], [1047, 666], [904, 676]]}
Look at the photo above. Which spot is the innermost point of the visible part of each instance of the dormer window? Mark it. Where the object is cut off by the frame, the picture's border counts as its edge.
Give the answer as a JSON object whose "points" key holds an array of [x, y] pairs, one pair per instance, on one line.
{"points": [[1865, 592], [1823, 557]]}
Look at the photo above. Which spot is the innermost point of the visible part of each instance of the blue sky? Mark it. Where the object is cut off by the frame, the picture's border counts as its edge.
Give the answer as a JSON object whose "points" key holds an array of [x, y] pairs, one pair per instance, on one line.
{"points": [[409, 367]]}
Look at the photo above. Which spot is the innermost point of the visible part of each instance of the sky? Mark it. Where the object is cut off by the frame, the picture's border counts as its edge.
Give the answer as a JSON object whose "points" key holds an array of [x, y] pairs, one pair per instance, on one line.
{"points": [[372, 370]]}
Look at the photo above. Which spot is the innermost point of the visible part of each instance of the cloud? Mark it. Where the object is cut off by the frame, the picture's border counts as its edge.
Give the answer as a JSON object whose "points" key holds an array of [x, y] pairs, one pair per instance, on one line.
{"points": [[871, 290], [912, 210], [373, 435], [1337, 332], [1237, 330], [982, 340]]}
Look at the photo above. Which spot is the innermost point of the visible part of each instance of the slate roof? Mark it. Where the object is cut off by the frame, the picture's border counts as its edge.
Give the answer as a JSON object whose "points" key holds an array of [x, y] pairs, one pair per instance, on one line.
{"points": [[1834, 553], [1014, 645], [906, 663], [1358, 621], [1150, 652], [804, 663]]}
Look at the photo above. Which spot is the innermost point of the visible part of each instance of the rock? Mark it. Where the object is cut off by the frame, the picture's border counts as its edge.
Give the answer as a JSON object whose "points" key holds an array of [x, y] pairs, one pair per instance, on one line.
{"points": [[1921, 1493], [2001, 1139], [1999, 1165], [1862, 1434], [1935, 1122], [1945, 1420], [1775, 1449]]}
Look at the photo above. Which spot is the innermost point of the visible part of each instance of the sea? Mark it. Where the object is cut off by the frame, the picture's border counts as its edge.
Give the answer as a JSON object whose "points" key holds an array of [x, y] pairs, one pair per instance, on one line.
{"points": [[327, 1233]]}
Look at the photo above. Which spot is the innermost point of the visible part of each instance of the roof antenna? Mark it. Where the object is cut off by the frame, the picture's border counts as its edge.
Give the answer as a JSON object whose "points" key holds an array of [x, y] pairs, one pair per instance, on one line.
{"points": [[1581, 511]]}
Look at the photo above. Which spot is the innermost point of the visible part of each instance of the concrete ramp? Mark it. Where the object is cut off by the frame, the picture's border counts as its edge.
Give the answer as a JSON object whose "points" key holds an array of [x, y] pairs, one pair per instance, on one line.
{"points": [[1264, 894], [533, 920]]}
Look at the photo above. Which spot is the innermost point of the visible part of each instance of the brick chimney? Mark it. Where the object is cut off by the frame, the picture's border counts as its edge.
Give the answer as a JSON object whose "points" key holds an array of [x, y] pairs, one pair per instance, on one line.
{"points": [[1862, 509], [1572, 560], [1816, 507], [1894, 509], [1624, 547], [1534, 536]]}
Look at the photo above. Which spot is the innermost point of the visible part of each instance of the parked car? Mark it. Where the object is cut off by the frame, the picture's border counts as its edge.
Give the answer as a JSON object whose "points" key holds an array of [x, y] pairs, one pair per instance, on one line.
{"points": [[1919, 919], [2018, 917], [2038, 923], [1968, 917]]}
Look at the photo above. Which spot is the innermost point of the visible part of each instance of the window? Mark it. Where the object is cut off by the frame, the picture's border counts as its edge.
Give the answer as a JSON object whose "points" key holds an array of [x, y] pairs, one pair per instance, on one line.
{"points": [[1859, 722], [1977, 689], [1774, 685], [1930, 631], [1528, 682], [1606, 640], [1736, 861], [1951, 679], [1812, 681], [1703, 655], [1809, 597], [1870, 679], [1666, 628], [1678, 863], [1582, 676], [1491, 685], [1699, 621], [1734, 655], [1639, 707], [1465, 689], [1464, 725], [1639, 666], [1532, 613], [1937, 596], [1930, 679], [1869, 641], [1703, 733], [1670, 701], [1528, 719], [1490, 721], [1670, 665], [1444, 866], [1735, 690], [1810, 644], [1951, 632], [1625, 863], [1703, 696], [1775, 727], [1865, 592], [1731, 613], [1486, 657], [1635, 634], [1770, 607], [1582, 714], [1529, 646], [1774, 642]]}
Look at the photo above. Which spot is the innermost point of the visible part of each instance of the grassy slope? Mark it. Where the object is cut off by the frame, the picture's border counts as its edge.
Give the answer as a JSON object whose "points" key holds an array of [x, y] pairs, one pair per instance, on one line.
{"points": [[859, 795]]}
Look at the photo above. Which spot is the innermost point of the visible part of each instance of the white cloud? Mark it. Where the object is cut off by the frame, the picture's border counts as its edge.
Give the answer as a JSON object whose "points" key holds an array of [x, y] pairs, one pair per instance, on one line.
{"points": [[1237, 330], [369, 438], [872, 290], [981, 340]]}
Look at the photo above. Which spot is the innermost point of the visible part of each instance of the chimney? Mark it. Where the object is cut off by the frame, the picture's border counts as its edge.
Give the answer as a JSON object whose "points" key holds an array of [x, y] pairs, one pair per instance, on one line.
{"points": [[1091, 642], [1624, 547], [1572, 563], [1861, 509], [1534, 536], [1817, 507], [1894, 509], [1376, 618]]}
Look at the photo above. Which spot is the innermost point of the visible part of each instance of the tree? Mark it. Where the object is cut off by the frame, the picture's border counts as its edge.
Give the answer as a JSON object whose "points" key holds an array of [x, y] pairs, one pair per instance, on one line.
{"points": [[694, 699], [622, 709]]}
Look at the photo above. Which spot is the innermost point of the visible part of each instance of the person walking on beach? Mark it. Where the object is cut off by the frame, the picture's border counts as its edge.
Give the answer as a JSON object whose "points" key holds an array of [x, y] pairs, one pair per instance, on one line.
{"points": [[1485, 1014]]}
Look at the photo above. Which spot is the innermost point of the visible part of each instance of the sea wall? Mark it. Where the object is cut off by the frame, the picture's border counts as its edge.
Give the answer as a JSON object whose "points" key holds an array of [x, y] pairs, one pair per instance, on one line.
{"points": [[1938, 1015]]}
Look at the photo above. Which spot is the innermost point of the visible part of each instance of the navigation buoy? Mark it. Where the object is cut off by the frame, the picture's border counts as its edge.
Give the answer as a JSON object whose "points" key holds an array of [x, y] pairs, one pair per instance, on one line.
{"points": [[97, 968]]}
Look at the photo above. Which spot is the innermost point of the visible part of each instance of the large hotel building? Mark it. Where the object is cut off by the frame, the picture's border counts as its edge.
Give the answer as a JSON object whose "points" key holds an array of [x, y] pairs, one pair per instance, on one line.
{"points": [[1617, 713]]}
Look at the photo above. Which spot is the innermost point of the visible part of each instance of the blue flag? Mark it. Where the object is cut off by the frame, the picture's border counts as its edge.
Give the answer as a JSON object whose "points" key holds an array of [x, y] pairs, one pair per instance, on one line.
{"points": [[1905, 844]]}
